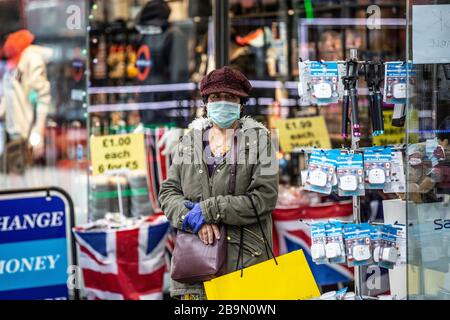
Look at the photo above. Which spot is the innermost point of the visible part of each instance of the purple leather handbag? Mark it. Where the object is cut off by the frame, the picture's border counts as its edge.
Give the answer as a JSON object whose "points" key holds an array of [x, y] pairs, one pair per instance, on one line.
{"points": [[194, 261]]}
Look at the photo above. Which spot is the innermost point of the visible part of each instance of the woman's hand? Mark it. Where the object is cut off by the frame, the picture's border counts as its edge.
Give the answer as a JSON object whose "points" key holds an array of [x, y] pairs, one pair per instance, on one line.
{"points": [[208, 232]]}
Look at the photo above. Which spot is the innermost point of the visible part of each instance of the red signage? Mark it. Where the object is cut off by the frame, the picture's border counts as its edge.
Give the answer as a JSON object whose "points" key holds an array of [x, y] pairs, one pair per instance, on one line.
{"points": [[143, 62]]}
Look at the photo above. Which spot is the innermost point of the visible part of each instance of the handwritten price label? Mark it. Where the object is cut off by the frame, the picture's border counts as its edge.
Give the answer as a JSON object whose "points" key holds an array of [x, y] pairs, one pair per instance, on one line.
{"points": [[302, 133], [124, 151]]}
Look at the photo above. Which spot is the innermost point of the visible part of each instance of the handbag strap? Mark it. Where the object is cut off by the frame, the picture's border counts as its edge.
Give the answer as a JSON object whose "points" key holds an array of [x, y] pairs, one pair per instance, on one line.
{"points": [[266, 242], [241, 241], [232, 186], [233, 166]]}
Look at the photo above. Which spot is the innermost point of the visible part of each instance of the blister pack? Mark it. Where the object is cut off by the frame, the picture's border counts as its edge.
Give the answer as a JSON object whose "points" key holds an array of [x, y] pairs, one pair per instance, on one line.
{"points": [[398, 179], [377, 166], [321, 169], [350, 174], [334, 248], [357, 239], [303, 86], [375, 236], [395, 82], [318, 243], [324, 77], [401, 244], [388, 250]]}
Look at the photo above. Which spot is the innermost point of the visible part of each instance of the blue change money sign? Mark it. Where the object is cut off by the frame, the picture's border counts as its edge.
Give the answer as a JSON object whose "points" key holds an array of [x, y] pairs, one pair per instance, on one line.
{"points": [[33, 248]]}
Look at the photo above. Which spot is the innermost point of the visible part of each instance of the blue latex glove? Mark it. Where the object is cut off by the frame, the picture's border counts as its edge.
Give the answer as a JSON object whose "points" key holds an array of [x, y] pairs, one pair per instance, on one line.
{"points": [[194, 218]]}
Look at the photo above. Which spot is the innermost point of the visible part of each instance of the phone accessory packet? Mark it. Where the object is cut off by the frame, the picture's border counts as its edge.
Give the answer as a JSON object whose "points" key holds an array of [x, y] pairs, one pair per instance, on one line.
{"points": [[377, 166], [321, 169], [304, 83], [395, 84], [358, 244], [375, 235], [401, 244], [398, 178], [318, 243], [388, 251], [335, 248], [324, 77], [350, 174]]}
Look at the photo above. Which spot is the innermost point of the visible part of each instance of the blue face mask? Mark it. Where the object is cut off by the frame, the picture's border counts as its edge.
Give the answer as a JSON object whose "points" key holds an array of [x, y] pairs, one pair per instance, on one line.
{"points": [[223, 113]]}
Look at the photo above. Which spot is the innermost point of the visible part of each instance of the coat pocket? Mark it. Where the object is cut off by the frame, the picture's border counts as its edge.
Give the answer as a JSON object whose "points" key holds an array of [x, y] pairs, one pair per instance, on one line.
{"points": [[253, 244]]}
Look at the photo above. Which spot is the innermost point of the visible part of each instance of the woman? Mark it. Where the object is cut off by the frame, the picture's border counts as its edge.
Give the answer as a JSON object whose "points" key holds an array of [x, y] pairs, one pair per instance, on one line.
{"points": [[201, 191]]}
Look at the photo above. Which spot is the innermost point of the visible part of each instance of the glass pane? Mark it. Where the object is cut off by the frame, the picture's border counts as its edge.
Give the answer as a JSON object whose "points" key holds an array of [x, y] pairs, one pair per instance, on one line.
{"points": [[146, 59], [428, 165], [43, 136], [267, 38]]}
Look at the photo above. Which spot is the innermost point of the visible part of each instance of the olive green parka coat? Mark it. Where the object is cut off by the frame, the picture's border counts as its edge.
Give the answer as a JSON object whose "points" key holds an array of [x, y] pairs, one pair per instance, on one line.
{"points": [[256, 176]]}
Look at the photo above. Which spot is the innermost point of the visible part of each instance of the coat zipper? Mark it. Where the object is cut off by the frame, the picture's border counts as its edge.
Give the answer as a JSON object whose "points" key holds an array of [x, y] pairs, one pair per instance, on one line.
{"points": [[210, 179]]}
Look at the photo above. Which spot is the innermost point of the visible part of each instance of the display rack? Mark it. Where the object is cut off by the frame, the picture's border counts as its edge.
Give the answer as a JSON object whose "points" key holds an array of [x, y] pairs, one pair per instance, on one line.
{"points": [[356, 205]]}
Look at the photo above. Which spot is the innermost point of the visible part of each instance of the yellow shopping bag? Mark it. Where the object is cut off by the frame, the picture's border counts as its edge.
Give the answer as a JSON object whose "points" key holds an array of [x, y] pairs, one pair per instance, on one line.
{"points": [[291, 279]]}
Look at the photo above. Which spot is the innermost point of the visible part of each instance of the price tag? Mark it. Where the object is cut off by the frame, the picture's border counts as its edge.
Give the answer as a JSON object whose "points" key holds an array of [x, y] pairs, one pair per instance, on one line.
{"points": [[302, 133], [123, 151]]}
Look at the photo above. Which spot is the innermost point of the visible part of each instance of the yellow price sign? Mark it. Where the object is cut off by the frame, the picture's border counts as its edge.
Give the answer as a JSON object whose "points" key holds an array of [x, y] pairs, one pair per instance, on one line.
{"points": [[303, 133], [392, 135], [123, 151]]}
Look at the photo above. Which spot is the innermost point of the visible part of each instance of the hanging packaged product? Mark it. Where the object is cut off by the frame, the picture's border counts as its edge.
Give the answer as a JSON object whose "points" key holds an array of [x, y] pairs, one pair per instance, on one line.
{"points": [[350, 174], [377, 166], [388, 250], [375, 236], [304, 81], [318, 242], [395, 83], [358, 244], [319, 82], [324, 76], [398, 179], [401, 244], [320, 172], [334, 248], [333, 154]]}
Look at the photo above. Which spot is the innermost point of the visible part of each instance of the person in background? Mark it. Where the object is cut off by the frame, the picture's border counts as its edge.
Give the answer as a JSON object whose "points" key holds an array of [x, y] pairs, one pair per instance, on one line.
{"points": [[26, 98], [196, 196], [167, 47]]}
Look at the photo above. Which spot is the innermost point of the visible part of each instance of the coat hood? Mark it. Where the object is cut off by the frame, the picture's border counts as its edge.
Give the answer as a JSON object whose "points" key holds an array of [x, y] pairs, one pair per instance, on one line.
{"points": [[247, 122]]}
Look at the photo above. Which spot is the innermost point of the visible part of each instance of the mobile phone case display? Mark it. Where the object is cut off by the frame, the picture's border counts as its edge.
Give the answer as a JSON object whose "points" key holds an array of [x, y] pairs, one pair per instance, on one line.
{"points": [[350, 173], [358, 244]]}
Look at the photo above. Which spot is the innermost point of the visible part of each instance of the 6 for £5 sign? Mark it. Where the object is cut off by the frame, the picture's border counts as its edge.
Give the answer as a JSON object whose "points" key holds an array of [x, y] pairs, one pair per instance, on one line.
{"points": [[115, 152]]}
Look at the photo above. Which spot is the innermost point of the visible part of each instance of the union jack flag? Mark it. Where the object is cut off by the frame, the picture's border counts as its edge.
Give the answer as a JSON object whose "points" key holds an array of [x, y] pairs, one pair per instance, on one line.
{"points": [[157, 164], [125, 263], [292, 232]]}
